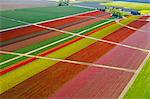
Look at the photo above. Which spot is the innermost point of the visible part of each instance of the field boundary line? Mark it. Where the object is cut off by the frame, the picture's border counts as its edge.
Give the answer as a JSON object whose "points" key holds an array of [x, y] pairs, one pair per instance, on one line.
{"points": [[148, 19], [130, 83], [74, 34], [106, 41], [55, 42], [45, 20], [117, 21], [71, 61]]}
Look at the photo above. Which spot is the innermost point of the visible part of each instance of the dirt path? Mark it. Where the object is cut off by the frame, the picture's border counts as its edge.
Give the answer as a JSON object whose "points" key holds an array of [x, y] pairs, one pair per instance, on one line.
{"points": [[31, 41]]}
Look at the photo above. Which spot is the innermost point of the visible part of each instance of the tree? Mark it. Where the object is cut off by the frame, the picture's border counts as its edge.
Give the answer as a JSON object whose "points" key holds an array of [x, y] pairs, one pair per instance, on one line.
{"points": [[115, 12], [63, 2]]}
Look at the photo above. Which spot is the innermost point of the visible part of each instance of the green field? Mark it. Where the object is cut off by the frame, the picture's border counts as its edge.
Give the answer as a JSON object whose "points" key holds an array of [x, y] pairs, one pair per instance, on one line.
{"points": [[144, 7], [6, 23], [33, 15], [141, 87]]}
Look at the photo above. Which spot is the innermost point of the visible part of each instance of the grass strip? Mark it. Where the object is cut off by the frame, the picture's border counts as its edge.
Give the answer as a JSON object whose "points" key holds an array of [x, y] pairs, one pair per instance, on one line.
{"points": [[141, 87]]}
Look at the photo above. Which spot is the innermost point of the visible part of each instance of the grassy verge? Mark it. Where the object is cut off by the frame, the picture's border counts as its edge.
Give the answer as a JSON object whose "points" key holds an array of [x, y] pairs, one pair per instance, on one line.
{"points": [[141, 87]]}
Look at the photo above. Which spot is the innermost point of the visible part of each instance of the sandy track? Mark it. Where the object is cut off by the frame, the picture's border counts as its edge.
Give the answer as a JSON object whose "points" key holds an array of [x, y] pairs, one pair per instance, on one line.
{"points": [[28, 42]]}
